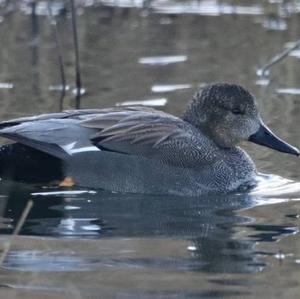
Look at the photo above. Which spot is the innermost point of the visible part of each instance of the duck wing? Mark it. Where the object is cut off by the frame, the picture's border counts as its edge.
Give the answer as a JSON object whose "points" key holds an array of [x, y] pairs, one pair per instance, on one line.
{"points": [[138, 131], [149, 133], [55, 133]]}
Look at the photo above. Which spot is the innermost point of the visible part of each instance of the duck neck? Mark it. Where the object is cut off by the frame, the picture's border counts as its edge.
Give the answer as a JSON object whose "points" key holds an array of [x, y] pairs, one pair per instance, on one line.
{"points": [[194, 117]]}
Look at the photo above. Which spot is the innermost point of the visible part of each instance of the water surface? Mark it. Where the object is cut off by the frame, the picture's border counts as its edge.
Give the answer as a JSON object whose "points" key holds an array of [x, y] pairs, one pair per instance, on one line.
{"points": [[79, 243]]}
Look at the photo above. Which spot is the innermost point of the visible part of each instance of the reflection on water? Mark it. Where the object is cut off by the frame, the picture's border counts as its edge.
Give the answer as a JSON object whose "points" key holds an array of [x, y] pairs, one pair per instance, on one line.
{"points": [[39, 261], [6, 86], [82, 243], [168, 88], [209, 227], [163, 60], [152, 102], [155, 238], [294, 91]]}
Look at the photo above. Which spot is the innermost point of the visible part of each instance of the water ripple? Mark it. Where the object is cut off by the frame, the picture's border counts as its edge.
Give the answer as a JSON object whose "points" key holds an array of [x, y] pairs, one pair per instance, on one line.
{"points": [[275, 189], [40, 261]]}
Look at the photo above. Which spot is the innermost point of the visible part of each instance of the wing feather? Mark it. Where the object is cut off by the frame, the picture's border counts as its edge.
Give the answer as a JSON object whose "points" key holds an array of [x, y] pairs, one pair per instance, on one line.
{"points": [[159, 136], [135, 130]]}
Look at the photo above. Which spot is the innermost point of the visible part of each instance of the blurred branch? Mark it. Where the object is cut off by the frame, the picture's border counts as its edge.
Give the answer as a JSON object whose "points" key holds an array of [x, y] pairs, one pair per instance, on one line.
{"points": [[16, 231], [277, 58], [60, 59], [77, 62]]}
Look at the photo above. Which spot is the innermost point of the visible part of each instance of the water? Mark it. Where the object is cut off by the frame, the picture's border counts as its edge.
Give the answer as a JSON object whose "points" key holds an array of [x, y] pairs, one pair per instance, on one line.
{"points": [[79, 243]]}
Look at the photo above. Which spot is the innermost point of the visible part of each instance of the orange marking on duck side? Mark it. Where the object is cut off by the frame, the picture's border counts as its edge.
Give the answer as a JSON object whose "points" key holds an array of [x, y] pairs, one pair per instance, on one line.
{"points": [[67, 182]]}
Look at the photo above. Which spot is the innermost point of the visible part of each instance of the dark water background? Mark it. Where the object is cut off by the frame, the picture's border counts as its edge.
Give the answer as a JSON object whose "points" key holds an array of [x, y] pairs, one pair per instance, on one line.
{"points": [[94, 244]]}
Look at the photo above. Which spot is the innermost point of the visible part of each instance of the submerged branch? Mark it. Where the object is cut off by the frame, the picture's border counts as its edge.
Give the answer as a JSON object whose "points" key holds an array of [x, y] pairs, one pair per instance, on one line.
{"points": [[16, 231]]}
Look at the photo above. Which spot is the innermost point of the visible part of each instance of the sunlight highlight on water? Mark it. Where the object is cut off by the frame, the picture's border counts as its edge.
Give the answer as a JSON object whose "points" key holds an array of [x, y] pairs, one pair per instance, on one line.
{"points": [[6, 85], [168, 88], [295, 53], [263, 82], [207, 8], [292, 91], [163, 60], [151, 102], [271, 24], [59, 193]]}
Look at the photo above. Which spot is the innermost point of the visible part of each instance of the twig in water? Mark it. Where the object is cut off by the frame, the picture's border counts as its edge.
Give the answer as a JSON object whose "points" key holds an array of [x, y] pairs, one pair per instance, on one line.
{"points": [[277, 58], [16, 231], [76, 48], [60, 59]]}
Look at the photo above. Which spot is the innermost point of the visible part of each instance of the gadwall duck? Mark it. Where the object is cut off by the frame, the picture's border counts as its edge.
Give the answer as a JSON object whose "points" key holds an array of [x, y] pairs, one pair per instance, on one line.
{"points": [[142, 150]]}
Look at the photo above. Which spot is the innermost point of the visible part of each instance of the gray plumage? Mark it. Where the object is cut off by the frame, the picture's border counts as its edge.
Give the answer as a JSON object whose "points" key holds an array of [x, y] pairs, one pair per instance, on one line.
{"points": [[140, 149]]}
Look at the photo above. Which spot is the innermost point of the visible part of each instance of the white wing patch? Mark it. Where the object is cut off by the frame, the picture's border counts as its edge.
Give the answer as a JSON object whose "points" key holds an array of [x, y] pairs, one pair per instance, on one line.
{"points": [[71, 149]]}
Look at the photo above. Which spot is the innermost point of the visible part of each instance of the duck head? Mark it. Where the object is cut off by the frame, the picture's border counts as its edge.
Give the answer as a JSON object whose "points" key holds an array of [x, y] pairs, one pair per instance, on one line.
{"points": [[228, 114]]}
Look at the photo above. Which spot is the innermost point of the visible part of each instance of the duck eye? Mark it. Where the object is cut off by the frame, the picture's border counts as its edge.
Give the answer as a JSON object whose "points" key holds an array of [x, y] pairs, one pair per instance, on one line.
{"points": [[237, 111]]}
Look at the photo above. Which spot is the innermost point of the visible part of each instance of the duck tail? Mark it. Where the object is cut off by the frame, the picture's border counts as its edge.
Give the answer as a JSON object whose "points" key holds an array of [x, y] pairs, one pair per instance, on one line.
{"points": [[22, 163]]}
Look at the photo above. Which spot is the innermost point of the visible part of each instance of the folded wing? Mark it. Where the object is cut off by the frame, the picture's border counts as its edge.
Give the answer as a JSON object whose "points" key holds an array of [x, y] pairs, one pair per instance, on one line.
{"points": [[148, 133], [138, 131]]}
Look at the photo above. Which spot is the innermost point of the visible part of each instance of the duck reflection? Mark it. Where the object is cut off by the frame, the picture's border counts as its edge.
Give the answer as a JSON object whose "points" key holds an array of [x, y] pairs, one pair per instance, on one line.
{"points": [[208, 225]]}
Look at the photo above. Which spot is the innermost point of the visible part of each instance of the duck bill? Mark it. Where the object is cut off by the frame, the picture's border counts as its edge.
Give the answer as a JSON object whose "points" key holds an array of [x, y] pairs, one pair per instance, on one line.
{"points": [[264, 136]]}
